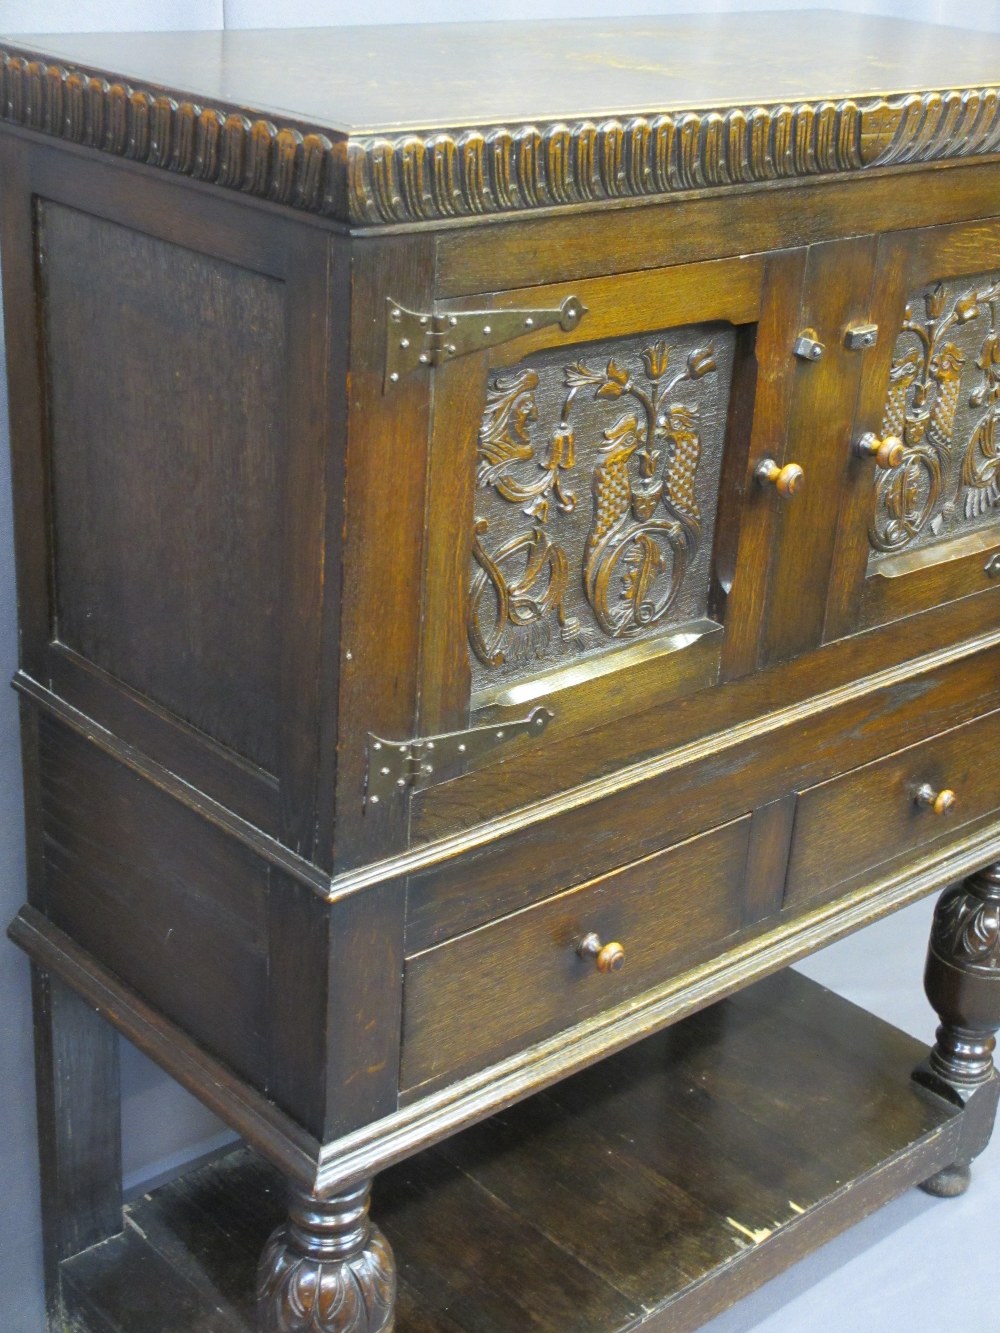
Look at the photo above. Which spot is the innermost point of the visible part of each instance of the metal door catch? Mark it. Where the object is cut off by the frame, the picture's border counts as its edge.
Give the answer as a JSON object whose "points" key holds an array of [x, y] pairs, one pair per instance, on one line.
{"points": [[860, 337]]}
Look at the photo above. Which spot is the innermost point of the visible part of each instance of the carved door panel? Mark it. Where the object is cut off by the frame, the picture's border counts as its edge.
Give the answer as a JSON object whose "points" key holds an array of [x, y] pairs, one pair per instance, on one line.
{"points": [[920, 523], [597, 547]]}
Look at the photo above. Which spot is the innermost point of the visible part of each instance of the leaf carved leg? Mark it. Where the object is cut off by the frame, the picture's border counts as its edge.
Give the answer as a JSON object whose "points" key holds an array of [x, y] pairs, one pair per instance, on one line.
{"points": [[327, 1269], [963, 984]]}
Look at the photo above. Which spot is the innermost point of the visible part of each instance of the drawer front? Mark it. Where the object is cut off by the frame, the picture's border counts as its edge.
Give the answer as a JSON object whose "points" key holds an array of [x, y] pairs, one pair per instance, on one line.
{"points": [[872, 814], [489, 992]]}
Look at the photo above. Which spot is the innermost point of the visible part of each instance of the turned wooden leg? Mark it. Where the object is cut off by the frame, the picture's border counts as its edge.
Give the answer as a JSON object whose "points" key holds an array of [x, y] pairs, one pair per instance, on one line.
{"points": [[963, 984], [327, 1269]]}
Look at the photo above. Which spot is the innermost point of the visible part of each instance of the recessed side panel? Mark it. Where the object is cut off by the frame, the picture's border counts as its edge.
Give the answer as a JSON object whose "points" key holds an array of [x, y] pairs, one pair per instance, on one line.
{"points": [[597, 487], [166, 420]]}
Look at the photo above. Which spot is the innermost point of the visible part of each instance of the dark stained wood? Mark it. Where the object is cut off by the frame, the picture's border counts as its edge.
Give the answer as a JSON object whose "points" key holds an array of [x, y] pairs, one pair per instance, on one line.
{"points": [[595, 760], [386, 459], [143, 588], [26, 406], [612, 239], [466, 1002], [912, 580], [534, 73], [335, 431], [837, 289], [445, 682], [767, 859], [309, 575], [175, 908], [591, 837], [329, 1261], [962, 980], [298, 993], [617, 1200], [881, 805], [79, 1126], [242, 113], [730, 292], [255, 1117], [758, 410], [246, 548], [139, 465], [365, 963], [893, 591]]}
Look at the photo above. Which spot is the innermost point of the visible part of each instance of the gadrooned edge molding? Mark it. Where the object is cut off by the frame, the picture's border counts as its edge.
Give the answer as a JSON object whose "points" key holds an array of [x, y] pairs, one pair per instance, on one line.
{"points": [[437, 175]]}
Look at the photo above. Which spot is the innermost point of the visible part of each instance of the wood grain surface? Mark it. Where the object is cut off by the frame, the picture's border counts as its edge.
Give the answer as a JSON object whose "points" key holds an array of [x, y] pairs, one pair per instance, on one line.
{"points": [[650, 1191]]}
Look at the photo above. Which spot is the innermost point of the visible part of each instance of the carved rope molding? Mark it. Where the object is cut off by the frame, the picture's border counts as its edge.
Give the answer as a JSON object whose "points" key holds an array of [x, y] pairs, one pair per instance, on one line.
{"points": [[420, 176], [224, 147]]}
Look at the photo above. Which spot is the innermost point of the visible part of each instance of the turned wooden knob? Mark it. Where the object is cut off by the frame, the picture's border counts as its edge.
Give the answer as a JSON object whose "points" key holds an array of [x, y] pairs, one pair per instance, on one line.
{"points": [[785, 480], [940, 802], [888, 453], [608, 957]]}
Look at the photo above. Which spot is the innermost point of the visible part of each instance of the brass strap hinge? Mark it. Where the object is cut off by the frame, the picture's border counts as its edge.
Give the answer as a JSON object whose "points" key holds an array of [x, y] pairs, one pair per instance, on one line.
{"points": [[415, 338], [395, 766]]}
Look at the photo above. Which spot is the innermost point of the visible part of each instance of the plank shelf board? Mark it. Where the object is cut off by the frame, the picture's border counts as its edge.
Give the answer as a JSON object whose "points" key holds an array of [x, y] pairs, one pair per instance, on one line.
{"points": [[650, 1191]]}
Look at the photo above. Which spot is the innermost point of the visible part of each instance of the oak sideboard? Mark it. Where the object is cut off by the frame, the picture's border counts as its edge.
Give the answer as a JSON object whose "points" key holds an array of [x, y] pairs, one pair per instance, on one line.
{"points": [[508, 541]]}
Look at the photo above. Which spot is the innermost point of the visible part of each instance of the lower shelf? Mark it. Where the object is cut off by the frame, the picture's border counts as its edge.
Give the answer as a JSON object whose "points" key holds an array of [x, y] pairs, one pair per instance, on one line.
{"points": [[650, 1191]]}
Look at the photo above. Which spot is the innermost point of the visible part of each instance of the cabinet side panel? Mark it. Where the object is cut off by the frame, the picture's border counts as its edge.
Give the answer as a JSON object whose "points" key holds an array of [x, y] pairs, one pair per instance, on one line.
{"points": [[172, 905], [166, 430]]}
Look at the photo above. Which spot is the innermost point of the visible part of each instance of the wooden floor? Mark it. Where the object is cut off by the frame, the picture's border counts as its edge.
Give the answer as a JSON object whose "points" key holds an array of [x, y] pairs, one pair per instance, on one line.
{"points": [[649, 1191]]}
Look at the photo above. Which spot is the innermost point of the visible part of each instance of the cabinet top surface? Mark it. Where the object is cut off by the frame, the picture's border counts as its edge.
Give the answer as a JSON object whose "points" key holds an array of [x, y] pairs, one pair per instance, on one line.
{"points": [[374, 80], [414, 124]]}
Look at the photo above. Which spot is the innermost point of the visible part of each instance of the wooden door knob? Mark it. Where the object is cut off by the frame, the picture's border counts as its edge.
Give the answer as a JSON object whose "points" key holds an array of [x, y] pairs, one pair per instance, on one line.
{"points": [[940, 802], [785, 480], [888, 453], [608, 957]]}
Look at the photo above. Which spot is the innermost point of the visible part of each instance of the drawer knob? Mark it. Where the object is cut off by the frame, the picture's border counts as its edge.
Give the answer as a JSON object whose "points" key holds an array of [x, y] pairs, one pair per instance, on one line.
{"points": [[941, 802], [608, 957], [785, 480], [888, 453], [992, 567]]}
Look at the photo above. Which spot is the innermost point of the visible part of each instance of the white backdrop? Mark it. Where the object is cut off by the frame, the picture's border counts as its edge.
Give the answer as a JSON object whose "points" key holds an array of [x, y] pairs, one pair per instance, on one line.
{"points": [[876, 1268]]}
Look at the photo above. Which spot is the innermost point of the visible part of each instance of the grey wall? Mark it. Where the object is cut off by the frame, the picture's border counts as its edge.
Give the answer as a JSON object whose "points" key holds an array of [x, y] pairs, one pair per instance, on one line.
{"points": [[162, 1126]]}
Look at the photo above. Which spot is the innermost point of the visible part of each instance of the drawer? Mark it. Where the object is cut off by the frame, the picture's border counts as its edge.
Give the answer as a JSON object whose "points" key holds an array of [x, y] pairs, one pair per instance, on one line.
{"points": [[872, 814], [487, 993]]}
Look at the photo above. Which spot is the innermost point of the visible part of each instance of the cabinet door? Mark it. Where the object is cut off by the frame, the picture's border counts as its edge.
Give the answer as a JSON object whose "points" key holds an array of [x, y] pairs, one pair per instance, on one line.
{"points": [[597, 545], [921, 526]]}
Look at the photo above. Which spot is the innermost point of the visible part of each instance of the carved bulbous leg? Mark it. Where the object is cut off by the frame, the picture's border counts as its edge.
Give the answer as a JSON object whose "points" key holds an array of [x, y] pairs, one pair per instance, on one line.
{"points": [[963, 984], [327, 1269]]}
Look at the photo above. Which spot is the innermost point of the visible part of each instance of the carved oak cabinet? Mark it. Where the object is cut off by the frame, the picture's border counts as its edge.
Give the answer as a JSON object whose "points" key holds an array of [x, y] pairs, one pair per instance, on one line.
{"points": [[508, 531]]}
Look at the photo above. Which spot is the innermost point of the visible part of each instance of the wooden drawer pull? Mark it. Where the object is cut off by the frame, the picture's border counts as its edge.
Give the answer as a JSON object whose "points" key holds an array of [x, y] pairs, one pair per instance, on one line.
{"points": [[785, 480], [608, 957], [888, 453], [941, 802]]}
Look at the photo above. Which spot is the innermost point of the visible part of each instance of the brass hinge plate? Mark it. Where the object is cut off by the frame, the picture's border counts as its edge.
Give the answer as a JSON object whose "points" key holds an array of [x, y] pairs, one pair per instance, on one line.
{"points": [[405, 766], [429, 338]]}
